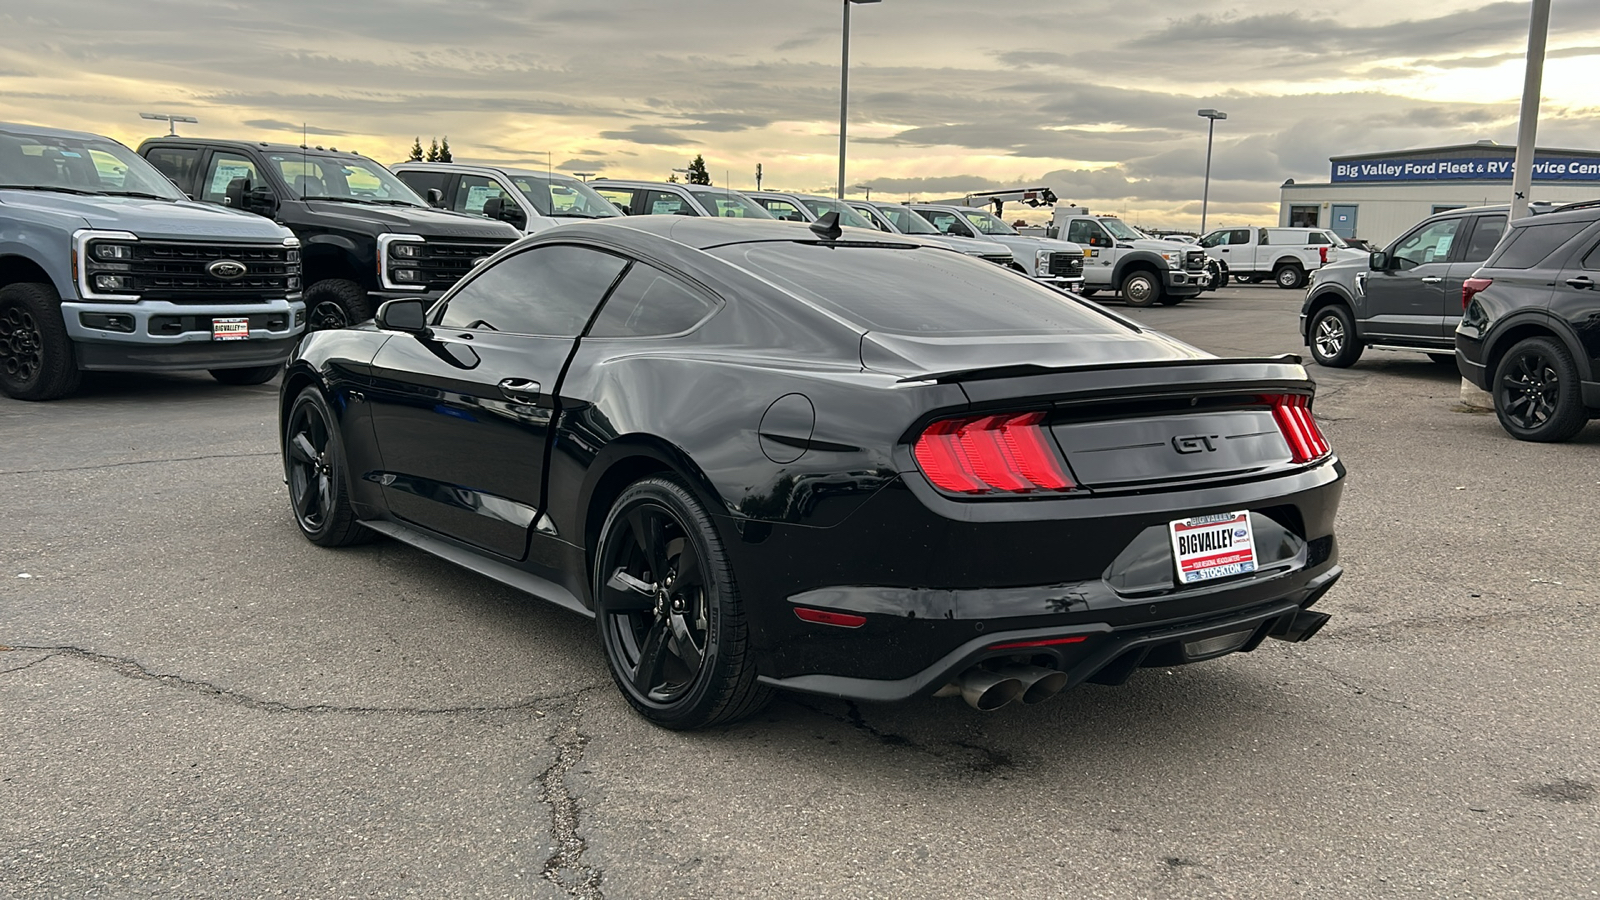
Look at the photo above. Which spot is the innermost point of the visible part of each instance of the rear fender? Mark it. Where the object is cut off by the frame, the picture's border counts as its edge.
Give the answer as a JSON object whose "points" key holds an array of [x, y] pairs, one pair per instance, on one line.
{"points": [[1528, 323]]}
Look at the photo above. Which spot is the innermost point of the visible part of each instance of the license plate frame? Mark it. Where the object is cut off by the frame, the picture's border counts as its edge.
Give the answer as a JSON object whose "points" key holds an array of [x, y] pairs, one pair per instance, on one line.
{"points": [[230, 328], [1205, 548]]}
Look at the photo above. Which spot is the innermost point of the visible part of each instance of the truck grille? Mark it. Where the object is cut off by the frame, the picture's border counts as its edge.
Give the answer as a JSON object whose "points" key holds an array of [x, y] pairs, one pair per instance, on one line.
{"points": [[1194, 260], [446, 262], [999, 259], [1066, 265], [176, 271]]}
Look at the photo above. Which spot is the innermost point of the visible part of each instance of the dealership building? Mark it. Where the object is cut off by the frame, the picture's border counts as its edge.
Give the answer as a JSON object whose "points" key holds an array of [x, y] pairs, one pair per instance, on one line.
{"points": [[1377, 196]]}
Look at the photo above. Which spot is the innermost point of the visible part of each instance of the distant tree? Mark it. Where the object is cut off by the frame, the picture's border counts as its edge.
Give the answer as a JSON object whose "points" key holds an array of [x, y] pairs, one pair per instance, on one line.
{"points": [[697, 171], [416, 151], [433, 151], [673, 178], [444, 149]]}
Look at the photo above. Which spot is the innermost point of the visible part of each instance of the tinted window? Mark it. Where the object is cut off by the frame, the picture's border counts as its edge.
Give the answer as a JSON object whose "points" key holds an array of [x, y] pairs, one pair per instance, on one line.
{"points": [[649, 301], [1484, 237], [474, 191], [728, 204], [1429, 244], [225, 167], [1085, 232], [1214, 239], [661, 203], [421, 182], [920, 291], [547, 290], [177, 164], [873, 216], [783, 209], [622, 198], [1528, 246], [1317, 238], [1238, 237], [907, 221]]}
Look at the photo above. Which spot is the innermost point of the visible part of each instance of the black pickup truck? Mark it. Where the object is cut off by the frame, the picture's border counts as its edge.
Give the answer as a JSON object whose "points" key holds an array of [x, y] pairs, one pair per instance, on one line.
{"points": [[365, 236]]}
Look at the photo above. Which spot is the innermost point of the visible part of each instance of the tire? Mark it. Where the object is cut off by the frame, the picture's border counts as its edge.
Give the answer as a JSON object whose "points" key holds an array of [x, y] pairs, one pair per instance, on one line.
{"points": [[1333, 339], [1536, 392], [1289, 276], [1219, 278], [1169, 300], [1141, 289], [314, 467], [1443, 359], [1088, 292], [336, 303], [37, 360], [254, 375], [1246, 279], [668, 611]]}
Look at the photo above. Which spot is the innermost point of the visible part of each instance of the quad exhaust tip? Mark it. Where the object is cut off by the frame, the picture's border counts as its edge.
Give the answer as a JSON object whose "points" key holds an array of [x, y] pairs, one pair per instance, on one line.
{"points": [[987, 690]]}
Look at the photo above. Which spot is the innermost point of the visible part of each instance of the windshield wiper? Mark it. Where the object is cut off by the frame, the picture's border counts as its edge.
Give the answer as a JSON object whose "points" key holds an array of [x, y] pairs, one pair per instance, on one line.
{"points": [[145, 194], [394, 202], [49, 187], [360, 200], [578, 215]]}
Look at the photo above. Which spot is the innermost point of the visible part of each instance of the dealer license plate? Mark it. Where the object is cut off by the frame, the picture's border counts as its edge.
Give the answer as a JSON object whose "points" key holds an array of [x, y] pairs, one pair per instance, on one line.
{"points": [[1209, 547], [230, 329]]}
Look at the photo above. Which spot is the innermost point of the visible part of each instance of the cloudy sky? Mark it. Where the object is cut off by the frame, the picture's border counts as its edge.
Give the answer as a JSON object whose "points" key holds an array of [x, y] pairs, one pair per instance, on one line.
{"points": [[1095, 98]]}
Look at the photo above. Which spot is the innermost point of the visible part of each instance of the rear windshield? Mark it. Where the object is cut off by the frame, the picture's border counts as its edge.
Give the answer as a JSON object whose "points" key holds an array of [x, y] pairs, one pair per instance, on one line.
{"points": [[1529, 245], [918, 291]]}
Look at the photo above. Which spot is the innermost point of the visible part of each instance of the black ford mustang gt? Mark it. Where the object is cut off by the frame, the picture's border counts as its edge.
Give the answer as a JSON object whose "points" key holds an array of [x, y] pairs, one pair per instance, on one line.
{"points": [[765, 456]]}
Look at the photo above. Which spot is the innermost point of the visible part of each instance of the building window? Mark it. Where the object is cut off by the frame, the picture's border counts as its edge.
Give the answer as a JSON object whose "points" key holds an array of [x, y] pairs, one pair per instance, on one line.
{"points": [[1303, 216]]}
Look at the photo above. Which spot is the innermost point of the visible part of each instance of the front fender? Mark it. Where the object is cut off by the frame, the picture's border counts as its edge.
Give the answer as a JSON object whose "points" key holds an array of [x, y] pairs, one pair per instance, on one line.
{"points": [[1148, 257]]}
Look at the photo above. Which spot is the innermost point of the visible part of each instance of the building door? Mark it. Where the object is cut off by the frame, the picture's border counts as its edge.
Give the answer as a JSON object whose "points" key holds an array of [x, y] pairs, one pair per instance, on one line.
{"points": [[1344, 220]]}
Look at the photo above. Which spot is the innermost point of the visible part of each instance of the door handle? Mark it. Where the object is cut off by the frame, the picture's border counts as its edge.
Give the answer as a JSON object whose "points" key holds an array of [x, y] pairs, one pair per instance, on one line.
{"points": [[1580, 282], [520, 390], [1433, 279]]}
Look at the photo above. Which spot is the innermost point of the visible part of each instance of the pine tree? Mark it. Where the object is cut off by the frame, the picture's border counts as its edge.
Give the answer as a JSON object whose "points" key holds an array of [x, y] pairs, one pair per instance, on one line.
{"points": [[433, 151], [416, 151], [444, 149], [673, 178], [697, 171]]}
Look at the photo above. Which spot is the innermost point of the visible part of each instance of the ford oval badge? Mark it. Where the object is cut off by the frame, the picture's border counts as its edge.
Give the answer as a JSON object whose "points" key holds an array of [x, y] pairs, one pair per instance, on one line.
{"points": [[226, 269]]}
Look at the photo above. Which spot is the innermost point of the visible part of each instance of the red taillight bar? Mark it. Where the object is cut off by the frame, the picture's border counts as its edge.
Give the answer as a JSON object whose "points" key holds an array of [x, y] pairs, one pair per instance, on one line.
{"points": [[1293, 415], [823, 617], [1048, 642], [1471, 287], [1009, 453]]}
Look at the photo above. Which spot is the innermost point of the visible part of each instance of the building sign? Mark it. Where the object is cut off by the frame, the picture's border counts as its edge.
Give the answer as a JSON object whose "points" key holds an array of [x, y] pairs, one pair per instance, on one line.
{"points": [[1497, 168]]}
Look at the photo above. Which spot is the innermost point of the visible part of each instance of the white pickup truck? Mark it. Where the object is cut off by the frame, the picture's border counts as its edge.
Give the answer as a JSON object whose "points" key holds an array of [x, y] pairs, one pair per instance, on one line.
{"points": [[1285, 255]]}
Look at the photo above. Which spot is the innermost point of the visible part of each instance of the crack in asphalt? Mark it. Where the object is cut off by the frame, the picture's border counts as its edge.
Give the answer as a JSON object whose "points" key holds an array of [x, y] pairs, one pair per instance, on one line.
{"points": [[565, 868], [131, 668], [138, 462], [987, 760]]}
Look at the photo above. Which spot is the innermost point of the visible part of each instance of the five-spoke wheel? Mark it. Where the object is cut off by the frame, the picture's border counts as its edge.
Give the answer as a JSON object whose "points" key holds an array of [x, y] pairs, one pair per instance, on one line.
{"points": [[313, 463], [1536, 392]]}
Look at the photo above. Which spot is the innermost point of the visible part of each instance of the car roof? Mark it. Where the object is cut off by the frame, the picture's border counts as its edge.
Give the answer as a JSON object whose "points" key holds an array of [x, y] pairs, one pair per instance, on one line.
{"points": [[41, 131], [634, 182], [705, 232], [412, 165], [794, 194]]}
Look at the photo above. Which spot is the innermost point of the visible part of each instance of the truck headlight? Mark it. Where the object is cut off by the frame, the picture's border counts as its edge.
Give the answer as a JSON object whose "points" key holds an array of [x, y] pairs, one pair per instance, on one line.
{"points": [[1174, 260], [113, 252], [103, 265], [1041, 262], [399, 256]]}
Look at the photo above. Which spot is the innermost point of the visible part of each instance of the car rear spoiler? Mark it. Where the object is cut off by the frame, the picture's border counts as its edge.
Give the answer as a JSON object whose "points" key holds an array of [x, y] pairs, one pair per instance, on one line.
{"points": [[1030, 369]]}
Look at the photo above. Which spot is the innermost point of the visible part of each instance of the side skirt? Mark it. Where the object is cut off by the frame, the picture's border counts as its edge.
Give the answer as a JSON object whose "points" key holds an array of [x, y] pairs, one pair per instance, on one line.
{"points": [[508, 575]]}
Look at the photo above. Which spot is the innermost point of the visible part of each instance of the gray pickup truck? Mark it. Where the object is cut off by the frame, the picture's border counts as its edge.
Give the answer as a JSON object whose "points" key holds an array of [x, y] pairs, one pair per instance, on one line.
{"points": [[105, 265]]}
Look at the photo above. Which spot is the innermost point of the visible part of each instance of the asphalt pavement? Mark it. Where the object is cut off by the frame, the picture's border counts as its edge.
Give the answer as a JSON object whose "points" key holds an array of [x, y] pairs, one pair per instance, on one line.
{"points": [[196, 702]]}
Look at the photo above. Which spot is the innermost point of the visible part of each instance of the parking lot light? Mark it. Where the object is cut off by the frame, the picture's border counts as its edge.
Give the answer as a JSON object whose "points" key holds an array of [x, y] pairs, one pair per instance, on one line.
{"points": [[844, 91], [1211, 127]]}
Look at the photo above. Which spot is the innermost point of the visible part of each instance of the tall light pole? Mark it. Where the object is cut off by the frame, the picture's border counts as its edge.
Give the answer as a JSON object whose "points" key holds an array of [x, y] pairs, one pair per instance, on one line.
{"points": [[1528, 128], [171, 120], [844, 90], [1211, 129]]}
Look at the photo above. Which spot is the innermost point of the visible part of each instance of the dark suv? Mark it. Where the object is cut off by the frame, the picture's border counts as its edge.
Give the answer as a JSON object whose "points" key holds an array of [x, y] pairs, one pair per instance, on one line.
{"points": [[1530, 328], [1406, 297]]}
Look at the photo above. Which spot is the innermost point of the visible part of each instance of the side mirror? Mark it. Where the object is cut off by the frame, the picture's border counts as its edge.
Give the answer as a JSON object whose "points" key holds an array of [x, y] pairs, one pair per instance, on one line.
{"points": [[263, 202], [233, 196], [407, 314], [509, 212], [1379, 261], [435, 198]]}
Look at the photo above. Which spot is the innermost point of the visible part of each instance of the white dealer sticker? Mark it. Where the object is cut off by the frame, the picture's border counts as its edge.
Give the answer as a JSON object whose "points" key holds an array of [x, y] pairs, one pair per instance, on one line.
{"points": [[1213, 546]]}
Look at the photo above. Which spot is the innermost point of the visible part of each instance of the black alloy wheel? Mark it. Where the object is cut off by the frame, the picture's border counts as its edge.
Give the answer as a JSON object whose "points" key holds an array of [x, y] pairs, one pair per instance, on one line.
{"points": [[1334, 342], [314, 466], [1141, 289], [1536, 392], [37, 361], [668, 611], [335, 303], [1289, 276]]}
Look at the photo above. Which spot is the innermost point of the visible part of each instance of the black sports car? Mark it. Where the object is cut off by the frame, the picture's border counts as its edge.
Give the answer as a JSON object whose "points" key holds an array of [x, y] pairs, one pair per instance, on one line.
{"points": [[770, 456]]}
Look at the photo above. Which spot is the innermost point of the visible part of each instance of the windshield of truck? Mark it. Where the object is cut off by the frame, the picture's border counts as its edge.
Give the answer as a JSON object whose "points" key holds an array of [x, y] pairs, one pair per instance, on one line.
{"points": [[987, 224], [1122, 231], [351, 179], [907, 221], [564, 198], [729, 204], [77, 166], [821, 206]]}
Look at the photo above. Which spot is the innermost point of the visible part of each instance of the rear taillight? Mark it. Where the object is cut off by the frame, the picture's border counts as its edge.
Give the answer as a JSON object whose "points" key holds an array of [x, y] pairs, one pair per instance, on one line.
{"points": [[1293, 415], [1324, 253], [1471, 287], [1010, 453]]}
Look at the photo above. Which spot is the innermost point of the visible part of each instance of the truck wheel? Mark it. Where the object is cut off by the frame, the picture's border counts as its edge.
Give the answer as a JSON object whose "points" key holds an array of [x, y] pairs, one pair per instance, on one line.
{"points": [[1333, 338], [1289, 276], [253, 375], [1219, 278], [335, 303], [37, 361], [1140, 289]]}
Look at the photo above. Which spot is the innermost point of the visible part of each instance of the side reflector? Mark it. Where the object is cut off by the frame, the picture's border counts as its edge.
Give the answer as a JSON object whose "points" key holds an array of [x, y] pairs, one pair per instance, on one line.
{"points": [[1008, 453], [1048, 642], [823, 617], [1292, 412]]}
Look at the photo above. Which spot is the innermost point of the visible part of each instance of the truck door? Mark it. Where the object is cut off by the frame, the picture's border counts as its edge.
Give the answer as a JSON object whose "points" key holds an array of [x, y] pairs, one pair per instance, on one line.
{"points": [[463, 416], [1486, 232], [221, 170], [1237, 250], [1407, 300], [1099, 255]]}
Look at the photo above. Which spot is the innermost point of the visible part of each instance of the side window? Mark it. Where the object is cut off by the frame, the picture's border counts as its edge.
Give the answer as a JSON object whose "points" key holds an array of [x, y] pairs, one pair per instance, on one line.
{"points": [[1530, 245], [1429, 244], [621, 198], [1079, 231], [476, 190], [1214, 239], [1238, 237], [224, 168], [422, 182], [1266, 237], [1485, 235], [550, 290], [664, 203], [651, 302], [178, 164], [1316, 238], [783, 209]]}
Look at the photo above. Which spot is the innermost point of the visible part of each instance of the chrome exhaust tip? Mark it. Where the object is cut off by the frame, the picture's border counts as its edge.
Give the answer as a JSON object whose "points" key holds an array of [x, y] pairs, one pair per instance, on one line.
{"points": [[983, 690], [1038, 683]]}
